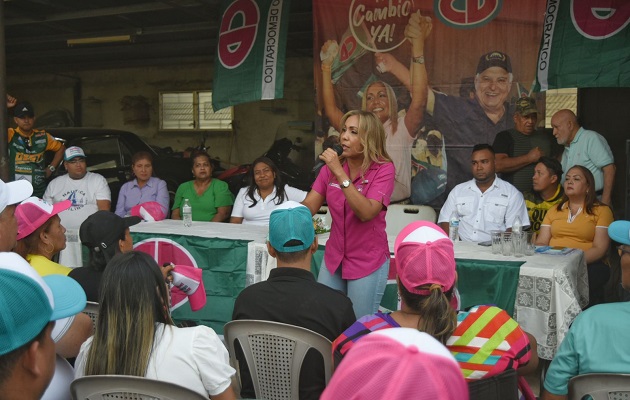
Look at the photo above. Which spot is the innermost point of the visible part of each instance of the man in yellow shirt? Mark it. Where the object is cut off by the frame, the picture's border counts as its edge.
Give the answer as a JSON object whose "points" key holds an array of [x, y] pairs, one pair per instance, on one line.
{"points": [[547, 190]]}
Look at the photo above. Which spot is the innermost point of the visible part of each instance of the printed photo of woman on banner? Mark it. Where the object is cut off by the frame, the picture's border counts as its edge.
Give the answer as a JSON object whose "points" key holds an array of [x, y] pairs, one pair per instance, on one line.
{"points": [[441, 79]]}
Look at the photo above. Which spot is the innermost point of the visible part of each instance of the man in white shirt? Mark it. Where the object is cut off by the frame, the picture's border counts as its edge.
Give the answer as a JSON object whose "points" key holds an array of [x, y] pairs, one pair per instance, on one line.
{"points": [[88, 192], [485, 203]]}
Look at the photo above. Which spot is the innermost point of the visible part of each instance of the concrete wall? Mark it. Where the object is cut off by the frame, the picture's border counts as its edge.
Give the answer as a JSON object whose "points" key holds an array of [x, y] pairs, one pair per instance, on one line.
{"points": [[101, 95]]}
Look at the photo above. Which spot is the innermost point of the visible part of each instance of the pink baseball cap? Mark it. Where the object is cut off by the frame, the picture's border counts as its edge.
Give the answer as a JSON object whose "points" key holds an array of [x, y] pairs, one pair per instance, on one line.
{"points": [[188, 282], [148, 211], [424, 256], [397, 363], [34, 212]]}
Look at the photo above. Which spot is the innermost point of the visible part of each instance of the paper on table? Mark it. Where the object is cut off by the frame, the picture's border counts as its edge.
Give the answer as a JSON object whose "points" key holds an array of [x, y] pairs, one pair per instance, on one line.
{"points": [[556, 251]]}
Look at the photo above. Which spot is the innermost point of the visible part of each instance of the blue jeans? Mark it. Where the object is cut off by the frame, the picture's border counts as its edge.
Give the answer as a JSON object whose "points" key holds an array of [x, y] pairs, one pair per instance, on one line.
{"points": [[366, 293]]}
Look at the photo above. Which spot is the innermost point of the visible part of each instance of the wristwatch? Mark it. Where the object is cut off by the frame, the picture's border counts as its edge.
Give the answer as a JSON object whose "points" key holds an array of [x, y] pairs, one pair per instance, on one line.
{"points": [[345, 183], [51, 168]]}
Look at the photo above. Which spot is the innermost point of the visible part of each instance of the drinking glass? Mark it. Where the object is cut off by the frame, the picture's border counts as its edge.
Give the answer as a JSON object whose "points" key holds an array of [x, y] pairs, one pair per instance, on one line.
{"points": [[530, 246], [495, 236], [506, 243]]}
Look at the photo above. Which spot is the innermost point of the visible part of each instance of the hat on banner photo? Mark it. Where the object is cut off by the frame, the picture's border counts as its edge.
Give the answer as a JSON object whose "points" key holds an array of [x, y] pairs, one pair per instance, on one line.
{"points": [[619, 231], [397, 363], [149, 211], [73, 152], [34, 212], [291, 227], [188, 282], [29, 302], [494, 59], [424, 256], [14, 192]]}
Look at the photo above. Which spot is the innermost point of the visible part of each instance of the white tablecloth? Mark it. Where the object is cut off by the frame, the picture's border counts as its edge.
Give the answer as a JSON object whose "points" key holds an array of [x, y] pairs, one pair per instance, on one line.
{"points": [[551, 292]]}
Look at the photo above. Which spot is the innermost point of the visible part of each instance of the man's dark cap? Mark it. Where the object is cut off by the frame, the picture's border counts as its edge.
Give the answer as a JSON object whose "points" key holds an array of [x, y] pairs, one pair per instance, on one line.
{"points": [[526, 106], [23, 109], [494, 59]]}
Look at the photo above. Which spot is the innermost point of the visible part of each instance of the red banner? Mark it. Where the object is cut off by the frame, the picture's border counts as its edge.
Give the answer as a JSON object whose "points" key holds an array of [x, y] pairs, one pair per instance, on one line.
{"points": [[455, 70]]}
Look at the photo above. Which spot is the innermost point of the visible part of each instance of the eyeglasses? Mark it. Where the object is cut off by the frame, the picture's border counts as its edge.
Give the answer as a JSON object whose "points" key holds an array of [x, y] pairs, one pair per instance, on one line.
{"points": [[623, 250]]}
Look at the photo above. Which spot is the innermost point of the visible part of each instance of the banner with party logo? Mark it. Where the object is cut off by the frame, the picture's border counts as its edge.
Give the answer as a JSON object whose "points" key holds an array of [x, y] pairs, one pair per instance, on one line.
{"points": [[585, 43], [441, 75], [250, 58]]}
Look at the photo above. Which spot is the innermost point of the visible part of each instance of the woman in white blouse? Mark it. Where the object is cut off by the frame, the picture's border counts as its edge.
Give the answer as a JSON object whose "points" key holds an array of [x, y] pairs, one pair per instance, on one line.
{"points": [[135, 334], [254, 203]]}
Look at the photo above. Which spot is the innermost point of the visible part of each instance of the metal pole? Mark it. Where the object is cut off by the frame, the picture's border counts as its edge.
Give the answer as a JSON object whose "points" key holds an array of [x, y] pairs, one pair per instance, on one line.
{"points": [[4, 154]]}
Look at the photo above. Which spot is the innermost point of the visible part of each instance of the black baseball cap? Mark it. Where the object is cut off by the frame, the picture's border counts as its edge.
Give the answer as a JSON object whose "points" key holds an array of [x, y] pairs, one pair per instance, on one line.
{"points": [[103, 229], [23, 109]]}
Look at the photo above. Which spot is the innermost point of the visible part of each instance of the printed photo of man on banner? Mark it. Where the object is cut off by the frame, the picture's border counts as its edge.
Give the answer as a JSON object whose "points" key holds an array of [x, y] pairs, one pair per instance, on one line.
{"points": [[440, 78]]}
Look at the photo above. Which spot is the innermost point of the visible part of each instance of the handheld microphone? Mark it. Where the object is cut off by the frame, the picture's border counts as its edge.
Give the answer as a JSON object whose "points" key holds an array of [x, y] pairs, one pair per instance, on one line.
{"points": [[337, 147]]}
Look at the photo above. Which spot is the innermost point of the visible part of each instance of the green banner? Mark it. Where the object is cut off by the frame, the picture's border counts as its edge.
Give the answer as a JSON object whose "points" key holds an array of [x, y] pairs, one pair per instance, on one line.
{"points": [[585, 43], [224, 264], [251, 49]]}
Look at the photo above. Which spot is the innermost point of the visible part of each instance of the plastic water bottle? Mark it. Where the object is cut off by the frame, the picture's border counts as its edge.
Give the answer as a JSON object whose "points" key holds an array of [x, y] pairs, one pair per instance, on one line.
{"points": [[517, 237], [187, 213], [517, 225], [453, 227]]}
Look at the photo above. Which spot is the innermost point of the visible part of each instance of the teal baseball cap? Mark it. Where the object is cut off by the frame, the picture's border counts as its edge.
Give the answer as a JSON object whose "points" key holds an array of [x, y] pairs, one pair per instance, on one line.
{"points": [[29, 302], [291, 227], [619, 231]]}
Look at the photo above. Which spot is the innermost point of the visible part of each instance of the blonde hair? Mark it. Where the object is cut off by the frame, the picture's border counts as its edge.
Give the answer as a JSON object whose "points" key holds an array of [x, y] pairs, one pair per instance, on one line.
{"points": [[391, 100], [372, 137], [133, 300]]}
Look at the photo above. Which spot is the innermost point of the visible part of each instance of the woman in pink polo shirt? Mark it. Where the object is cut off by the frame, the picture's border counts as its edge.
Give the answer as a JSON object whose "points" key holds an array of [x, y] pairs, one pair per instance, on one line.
{"points": [[357, 187]]}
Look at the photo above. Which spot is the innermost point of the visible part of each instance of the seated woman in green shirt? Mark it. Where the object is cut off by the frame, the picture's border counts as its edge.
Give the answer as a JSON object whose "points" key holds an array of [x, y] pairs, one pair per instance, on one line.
{"points": [[210, 199]]}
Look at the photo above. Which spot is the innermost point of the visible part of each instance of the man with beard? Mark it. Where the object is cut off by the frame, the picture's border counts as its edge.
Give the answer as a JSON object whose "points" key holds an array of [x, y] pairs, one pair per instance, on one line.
{"points": [[519, 149], [485, 203]]}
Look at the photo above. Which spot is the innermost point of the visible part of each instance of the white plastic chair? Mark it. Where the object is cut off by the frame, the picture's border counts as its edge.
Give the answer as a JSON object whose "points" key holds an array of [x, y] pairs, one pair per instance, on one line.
{"points": [[122, 387], [274, 353], [91, 309], [400, 215], [600, 386]]}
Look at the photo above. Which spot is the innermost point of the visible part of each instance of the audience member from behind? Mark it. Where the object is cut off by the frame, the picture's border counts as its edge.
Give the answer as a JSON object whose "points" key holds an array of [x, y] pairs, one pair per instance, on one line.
{"points": [[292, 296], [358, 188], [88, 192], [209, 198], [105, 234], [143, 188], [425, 260], [594, 343], [41, 235], [581, 221], [135, 334], [30, 304], [254, 203], [619, 231], [547, 190], [426, 279], [485, 203], [398, 364]]}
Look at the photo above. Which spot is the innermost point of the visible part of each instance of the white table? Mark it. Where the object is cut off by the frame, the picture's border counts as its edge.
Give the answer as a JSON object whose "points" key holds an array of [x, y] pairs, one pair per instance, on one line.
{"points": [[552, 290]]}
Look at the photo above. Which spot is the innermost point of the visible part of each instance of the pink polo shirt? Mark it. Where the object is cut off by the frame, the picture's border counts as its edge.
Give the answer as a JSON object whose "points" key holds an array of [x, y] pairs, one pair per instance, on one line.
{"points": [[361, 247]]}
